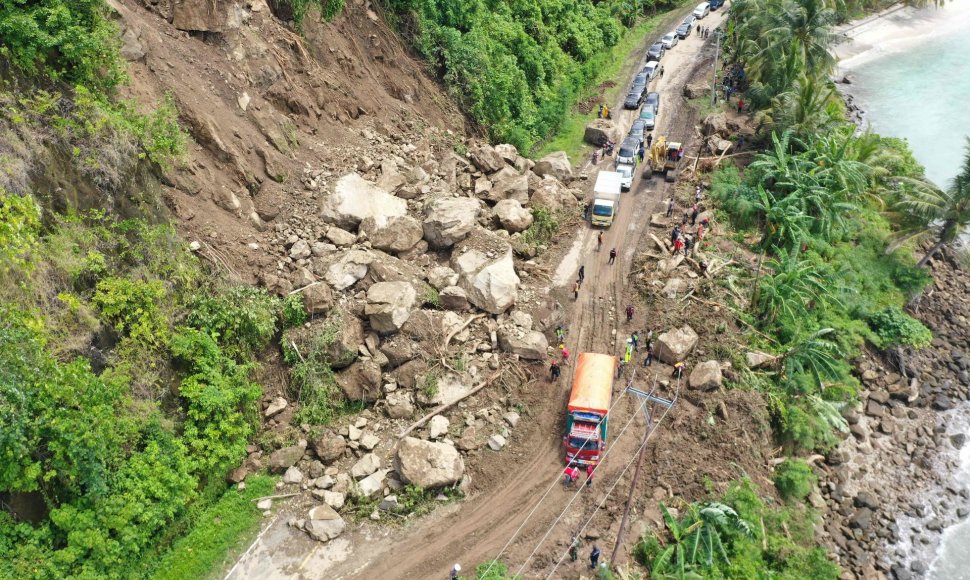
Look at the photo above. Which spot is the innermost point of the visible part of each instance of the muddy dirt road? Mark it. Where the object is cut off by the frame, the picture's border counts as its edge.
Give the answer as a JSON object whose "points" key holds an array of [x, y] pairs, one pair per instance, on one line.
{"points": [[520, 516]]}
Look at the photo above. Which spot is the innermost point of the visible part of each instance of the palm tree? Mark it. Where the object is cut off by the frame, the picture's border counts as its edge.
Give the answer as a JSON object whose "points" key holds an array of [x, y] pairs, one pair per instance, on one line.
{"points": [[698, 539], [785, 222], [791, 286], [671, 562], [931, 213], [807, 108], [804, 28], [814, 355]]}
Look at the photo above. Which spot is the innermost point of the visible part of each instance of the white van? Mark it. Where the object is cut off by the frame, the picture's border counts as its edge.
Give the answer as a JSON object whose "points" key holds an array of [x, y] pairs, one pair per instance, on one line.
{"points": [[702, 10]]}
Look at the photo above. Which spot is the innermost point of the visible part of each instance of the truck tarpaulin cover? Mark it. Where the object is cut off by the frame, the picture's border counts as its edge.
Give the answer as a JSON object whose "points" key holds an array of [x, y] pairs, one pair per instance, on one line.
{"points": [[592, 382]]}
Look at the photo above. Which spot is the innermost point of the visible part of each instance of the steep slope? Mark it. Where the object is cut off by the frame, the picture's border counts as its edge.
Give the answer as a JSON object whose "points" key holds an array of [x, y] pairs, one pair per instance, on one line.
{"points": [[263, 105]]}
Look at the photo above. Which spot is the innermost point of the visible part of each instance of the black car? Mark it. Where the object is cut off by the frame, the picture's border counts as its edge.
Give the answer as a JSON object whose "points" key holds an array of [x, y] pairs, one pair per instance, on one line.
{"points": [[654, 100], [683, 31], [642, 78], [633, 98], [656, 51], [638, 129]]}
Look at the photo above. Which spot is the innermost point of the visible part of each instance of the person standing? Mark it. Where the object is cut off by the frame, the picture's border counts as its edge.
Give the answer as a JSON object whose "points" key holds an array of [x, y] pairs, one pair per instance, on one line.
{"points": [[679, 370], [694, 212], [589, 483], [675, 234], [554, 370], [582, 273], [599, 241], [565, 353], [629, 312], [687, 245], [594, 557], [649, 357], [612, 256], [670, 206], [576, 289], [740, 105], [641, 152], [574, 549], [455, 571], [560, 334], [650, 137], [678, 245], [636, 341], [685, 219]]}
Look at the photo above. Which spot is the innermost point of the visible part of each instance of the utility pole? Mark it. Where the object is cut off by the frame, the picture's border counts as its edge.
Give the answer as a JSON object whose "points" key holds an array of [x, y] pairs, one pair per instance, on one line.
{"points": [[717, 48]]}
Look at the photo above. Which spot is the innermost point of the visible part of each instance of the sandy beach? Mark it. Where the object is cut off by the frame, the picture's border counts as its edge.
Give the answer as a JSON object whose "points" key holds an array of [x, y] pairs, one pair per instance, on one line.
{"points": [[896, 29]]}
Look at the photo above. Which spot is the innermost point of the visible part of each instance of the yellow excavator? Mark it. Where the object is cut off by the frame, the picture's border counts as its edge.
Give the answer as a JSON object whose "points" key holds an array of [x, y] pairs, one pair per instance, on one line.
{"points": [[665, 158]]}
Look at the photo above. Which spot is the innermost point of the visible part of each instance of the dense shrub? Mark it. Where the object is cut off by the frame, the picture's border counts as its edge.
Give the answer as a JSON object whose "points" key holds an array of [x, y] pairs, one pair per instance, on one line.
{"points": [[239, 317], [794, 479]]}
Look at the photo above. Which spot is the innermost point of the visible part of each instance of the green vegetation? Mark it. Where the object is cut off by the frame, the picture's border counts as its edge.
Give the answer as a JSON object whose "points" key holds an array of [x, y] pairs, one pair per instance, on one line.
{"points": [[518, 68], [568, 136], [312, 378], [736, 536], [328, 9], [220, 530], [794, 479]]}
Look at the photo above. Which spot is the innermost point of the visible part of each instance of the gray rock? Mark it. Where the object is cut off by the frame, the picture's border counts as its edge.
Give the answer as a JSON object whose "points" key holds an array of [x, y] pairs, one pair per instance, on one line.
{"points": [[372, 484], [317, 298], [486, 158], [486, 271], [365, 466], [861, 519], [555, 164], [528, 344], [600, 131], [275, 407], [369, 441], [442, 276], [300, 250], [340, 237], [399, 405], [512, 216], [264, 504], [496, 442], [438, 426], [507, 152], [706, 376], [674, 345], [355, 199], [427, 464], [389, 305], [282, 459], [395, 234], [864, 499], [348, 269], [293, 475], [330, 447], [449, 220], [389, 504], [361, 381], [512, 418], [509, 184], [757, 359], [453, 298]]}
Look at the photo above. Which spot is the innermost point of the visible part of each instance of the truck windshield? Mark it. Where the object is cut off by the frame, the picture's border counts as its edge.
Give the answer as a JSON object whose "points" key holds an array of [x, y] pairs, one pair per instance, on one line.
{"points": [[583, 444], [624, 170], [602, 210]]}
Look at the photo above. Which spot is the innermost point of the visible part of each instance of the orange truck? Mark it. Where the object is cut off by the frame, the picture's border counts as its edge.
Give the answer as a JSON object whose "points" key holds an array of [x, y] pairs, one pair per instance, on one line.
{"points": [[589, 403]]}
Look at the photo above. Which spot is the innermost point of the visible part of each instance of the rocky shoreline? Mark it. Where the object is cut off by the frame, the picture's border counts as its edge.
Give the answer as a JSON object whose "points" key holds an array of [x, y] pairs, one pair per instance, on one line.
{"points": [[889, 490]]}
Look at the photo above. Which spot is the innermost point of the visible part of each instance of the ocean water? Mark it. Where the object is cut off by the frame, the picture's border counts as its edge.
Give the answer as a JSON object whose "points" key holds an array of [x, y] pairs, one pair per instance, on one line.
{"points": [[921, 92], [917, 87]]}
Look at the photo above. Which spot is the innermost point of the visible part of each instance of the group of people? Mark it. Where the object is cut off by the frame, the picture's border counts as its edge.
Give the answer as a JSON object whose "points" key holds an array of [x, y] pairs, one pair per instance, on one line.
{"points": [[704, 32], [594, 554], [571, 475]]}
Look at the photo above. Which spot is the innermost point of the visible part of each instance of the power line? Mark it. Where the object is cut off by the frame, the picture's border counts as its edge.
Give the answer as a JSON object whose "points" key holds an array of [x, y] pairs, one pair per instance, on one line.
{"points": [[550, 488], [578, 491], [600, 505]]}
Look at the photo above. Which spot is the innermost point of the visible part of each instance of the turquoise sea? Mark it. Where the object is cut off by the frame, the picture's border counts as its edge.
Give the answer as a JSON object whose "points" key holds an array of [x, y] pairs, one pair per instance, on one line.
{"points": [[921, 93]]}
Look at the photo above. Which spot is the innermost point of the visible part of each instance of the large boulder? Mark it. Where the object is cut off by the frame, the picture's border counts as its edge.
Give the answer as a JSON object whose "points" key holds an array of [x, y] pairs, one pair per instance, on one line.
{"points": [[395, 234], [428, 465], [555, 164], [757, 359], [453, 298], [449, 219], [716, 124], [317, 298], [696, 90], [339, 335], [285, 458], [600, 131], [706, 376], [348, 269], [508, 152], [324, 524], [486, 271], [354, 199], [400, 405], [509, 184], [512, 216], [674, 345], [486, 158], [329, 447], [389, 305], [365, 466], [528, 344], [552, 195], [361, 381]]}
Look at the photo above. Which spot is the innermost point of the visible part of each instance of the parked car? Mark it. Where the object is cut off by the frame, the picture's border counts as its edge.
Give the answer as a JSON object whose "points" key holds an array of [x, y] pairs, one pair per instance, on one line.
{"points": [[656, 51], [702, 10], [652, 99], [642, 78], [670, 40], [637, 129], [690, 20], [649, 118], [627, 152], [683, 31], [653, 70], [634, 98], [715, 4], [626, 171]]}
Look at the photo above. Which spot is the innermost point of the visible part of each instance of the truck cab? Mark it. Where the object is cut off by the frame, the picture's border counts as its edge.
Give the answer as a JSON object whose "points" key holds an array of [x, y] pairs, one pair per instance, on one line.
{"points": [[606, 198]]}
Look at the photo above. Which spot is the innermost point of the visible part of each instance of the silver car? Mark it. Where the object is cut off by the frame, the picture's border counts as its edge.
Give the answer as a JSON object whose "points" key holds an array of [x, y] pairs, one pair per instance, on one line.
{"points": [[670, 40]]}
